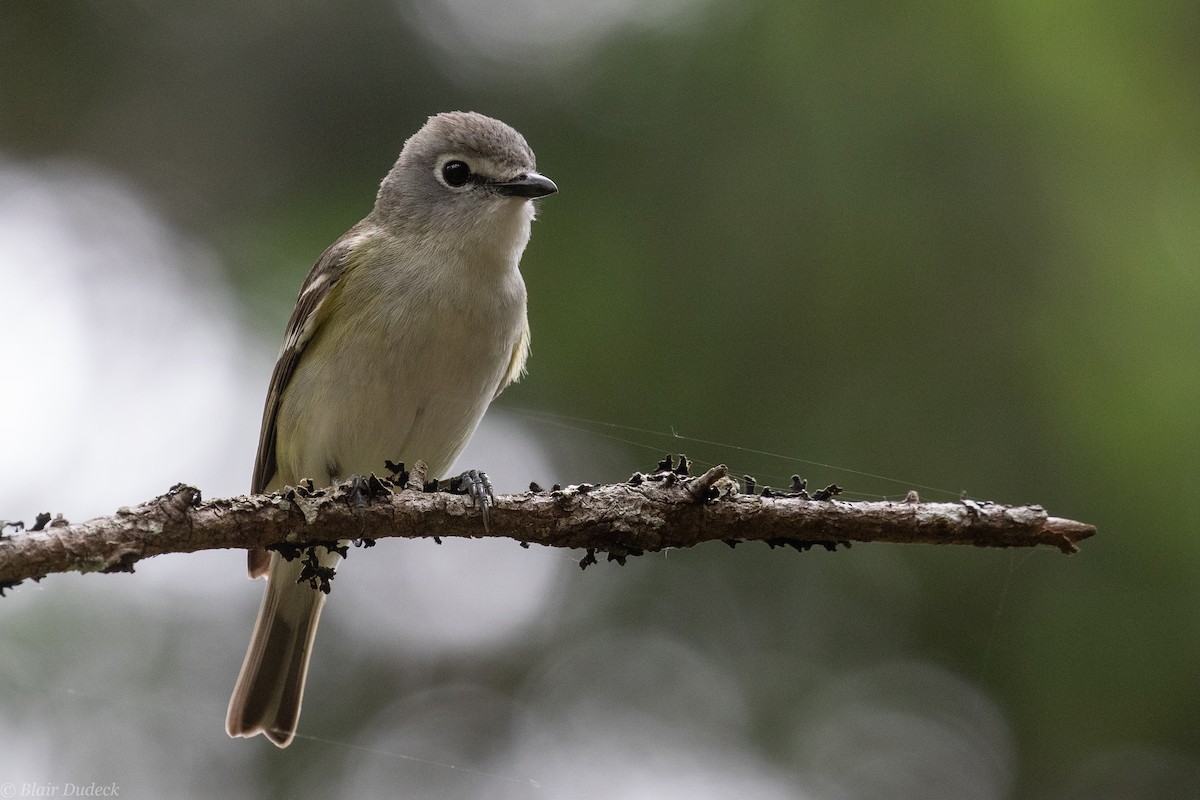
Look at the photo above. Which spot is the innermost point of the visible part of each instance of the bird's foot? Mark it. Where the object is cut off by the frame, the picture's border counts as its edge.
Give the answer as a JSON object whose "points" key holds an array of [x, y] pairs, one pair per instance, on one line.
{"points": [[360, 490], [474, 483]]}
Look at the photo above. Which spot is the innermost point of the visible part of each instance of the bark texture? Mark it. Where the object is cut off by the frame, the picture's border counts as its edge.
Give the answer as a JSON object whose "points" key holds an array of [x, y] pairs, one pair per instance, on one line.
{"points": [[650, 512]]}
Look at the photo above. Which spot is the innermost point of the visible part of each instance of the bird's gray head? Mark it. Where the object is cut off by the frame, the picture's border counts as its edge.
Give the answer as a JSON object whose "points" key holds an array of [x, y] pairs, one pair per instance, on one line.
{"points": [[463, 173]]}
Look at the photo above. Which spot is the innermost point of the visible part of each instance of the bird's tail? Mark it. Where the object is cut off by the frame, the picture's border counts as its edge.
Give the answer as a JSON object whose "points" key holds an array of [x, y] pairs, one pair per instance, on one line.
{"points": [[271, 684]]}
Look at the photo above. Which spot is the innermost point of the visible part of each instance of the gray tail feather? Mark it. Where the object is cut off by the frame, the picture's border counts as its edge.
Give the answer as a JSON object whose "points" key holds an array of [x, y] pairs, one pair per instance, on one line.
{"points": [[270, 686]]}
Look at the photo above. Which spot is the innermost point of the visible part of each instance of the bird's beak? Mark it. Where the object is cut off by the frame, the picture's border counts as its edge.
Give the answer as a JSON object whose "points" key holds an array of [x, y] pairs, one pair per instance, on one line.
{"points": [[529, 185]]}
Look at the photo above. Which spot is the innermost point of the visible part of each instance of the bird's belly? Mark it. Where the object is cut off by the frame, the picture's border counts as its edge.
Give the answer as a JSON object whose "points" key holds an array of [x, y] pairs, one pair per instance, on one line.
{"points": [[417, 397]]}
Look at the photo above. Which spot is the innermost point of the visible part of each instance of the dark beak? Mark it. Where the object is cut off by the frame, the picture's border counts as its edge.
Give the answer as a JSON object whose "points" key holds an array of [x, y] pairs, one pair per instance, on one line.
{"points": [[529, 185]]}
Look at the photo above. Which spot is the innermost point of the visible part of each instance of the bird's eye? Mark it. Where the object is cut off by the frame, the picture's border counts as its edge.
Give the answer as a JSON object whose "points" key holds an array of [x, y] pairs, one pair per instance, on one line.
{"points": [[455, 173]]}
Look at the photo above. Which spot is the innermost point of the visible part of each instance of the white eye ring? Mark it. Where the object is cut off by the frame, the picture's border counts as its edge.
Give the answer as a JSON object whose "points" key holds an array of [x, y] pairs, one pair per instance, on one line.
{"points": [[455, 173]]}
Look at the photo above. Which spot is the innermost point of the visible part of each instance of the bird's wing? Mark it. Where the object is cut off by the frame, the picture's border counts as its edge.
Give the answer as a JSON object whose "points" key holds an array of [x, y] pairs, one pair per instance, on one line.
{"points": [[312, 309], [516, 362]]}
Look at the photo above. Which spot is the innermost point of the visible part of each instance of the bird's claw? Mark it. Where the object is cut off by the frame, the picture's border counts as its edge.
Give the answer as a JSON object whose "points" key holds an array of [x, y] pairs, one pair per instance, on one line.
{"points": [[359, 491], [475, 484]]}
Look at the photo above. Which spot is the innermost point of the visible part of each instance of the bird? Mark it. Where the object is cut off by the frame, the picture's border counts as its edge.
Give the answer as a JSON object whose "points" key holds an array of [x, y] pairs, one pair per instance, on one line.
{"points": [[405, 330]]}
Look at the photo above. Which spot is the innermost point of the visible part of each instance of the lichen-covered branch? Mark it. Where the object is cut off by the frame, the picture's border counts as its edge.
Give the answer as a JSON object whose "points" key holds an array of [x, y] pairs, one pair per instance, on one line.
{"points": [[649, 513]]}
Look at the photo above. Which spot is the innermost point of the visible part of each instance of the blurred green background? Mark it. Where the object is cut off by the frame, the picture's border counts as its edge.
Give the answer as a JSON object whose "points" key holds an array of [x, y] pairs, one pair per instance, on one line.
{"points": [[957, 246]]}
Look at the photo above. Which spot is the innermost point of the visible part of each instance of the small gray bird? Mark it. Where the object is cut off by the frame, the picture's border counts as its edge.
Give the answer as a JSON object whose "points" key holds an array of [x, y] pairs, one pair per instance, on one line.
{"points": [[406, 328]]}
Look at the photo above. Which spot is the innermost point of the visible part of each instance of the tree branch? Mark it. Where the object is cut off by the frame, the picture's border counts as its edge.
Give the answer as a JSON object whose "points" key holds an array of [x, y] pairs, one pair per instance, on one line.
{"points": [[648, 513]]}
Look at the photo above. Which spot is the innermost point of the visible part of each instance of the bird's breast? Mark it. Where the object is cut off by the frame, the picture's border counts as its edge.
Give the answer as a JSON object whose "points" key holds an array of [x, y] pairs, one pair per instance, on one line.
{"points": [[407, 376]]}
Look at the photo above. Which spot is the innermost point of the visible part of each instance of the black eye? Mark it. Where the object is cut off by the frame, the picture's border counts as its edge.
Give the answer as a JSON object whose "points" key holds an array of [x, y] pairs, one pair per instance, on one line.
{"points": [[455, 173]]}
